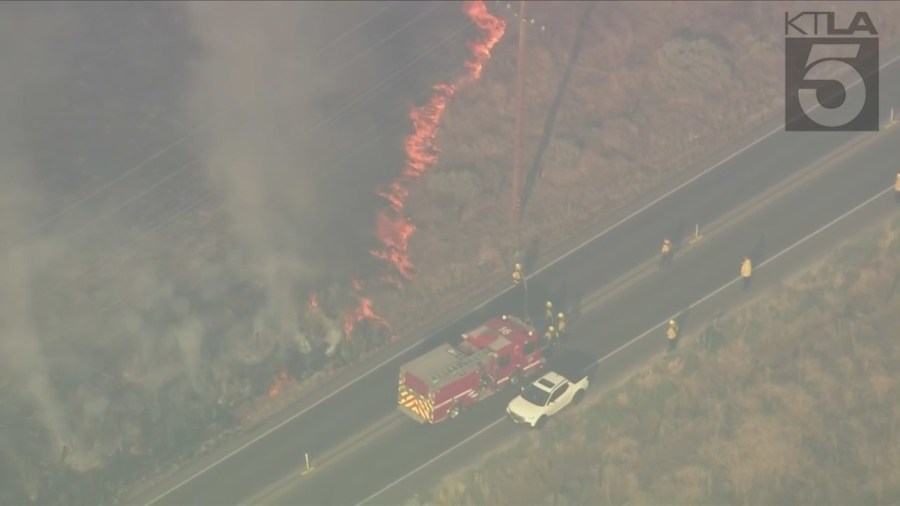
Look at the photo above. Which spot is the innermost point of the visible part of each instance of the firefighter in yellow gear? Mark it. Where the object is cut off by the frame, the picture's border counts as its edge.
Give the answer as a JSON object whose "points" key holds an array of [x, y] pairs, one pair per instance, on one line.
{"points": [[746, 271], [549, 312], [897, 188], [551, 333], [666, 253], [672, 334], [517, 273], [561, 323]]}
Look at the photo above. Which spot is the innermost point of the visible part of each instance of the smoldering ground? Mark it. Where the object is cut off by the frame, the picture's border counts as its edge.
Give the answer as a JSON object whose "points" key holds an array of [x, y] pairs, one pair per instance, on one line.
{"points": [[290, 152], [175, 176], [310, 117]]}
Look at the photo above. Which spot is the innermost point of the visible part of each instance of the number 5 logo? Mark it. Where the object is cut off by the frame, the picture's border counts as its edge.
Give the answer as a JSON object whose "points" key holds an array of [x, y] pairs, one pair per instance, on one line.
{"points": [[821, 87], [831, 84]]}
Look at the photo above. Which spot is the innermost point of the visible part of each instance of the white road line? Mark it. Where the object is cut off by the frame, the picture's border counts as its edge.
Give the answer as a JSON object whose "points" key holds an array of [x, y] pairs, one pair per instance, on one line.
{"points": [[319, 462], [667, 194], [638, 338], [420, 341]]}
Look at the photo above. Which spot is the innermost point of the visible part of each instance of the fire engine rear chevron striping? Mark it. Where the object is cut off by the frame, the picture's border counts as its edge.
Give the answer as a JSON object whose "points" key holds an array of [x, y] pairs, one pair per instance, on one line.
{"points": [[415, 403]]}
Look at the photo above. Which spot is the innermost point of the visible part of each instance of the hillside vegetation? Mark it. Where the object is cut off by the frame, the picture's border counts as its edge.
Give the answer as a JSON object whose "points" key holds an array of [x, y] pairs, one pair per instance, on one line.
{"points": [[789, 400]]}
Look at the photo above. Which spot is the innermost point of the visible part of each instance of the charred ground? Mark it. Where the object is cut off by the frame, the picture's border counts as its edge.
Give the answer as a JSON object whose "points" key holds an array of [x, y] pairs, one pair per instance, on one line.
{"points": [[172, 195]]}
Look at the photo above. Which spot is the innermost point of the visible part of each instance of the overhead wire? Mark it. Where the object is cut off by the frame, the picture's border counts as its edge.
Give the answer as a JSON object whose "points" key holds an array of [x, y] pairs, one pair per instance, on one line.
{"points": [[316, 127], [374, 134], [215, 117]]}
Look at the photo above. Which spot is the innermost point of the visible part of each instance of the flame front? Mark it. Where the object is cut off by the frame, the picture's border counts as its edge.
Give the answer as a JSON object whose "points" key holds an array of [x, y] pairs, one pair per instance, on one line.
{"points": [[313, 304], [362, 311], [393, 228], [279, 382]]}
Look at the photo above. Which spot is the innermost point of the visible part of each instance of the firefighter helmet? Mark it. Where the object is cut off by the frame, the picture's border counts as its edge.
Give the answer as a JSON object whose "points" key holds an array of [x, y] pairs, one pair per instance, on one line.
{"points": [[549, 305], [560, 316], [671, 322], [550, 328], [518, 266]]}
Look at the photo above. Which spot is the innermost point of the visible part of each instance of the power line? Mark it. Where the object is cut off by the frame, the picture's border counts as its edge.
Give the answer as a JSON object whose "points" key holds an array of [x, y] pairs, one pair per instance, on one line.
{"points": [[316, 127], [382, 132], [197, 130], [519, 131]]}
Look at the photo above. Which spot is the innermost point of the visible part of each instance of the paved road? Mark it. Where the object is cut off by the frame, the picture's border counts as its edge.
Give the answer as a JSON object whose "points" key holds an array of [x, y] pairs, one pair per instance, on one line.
{"points": [[412, 459], [700, 270], [405, 445]]}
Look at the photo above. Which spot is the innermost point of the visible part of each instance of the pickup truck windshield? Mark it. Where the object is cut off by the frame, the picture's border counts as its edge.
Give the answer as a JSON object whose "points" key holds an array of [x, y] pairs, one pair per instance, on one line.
{"points": [[535, 395]]}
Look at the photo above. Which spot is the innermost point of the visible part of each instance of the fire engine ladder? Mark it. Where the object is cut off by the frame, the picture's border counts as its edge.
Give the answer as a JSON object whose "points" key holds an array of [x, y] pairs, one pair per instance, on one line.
{"points": [[463, 366]]}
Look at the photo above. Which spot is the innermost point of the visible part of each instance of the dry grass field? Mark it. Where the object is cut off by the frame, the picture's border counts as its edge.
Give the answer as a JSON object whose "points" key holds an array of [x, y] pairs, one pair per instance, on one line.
{"points": [[789, 400], [653, 87]]}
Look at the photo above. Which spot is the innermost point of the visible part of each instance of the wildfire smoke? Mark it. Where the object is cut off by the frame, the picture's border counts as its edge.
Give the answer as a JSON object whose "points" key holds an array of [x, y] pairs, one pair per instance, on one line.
{"points": [[393, 228]]}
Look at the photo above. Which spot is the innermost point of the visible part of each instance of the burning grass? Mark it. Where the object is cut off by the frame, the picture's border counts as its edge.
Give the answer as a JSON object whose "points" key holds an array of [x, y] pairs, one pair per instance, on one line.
{"points": [[789, 400], [393, 229]]}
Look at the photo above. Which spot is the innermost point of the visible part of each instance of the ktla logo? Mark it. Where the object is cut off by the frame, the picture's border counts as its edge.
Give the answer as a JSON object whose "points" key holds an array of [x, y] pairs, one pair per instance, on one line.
{"points": [[831, 74]]}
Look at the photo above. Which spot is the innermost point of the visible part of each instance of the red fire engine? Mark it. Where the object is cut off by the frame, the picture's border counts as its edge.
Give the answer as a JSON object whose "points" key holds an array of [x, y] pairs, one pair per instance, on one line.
{"points": [[443, 382]]}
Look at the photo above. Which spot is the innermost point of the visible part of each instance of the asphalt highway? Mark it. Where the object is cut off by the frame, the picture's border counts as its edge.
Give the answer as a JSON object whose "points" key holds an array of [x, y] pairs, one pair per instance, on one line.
{"points": [[763, 231], [402, 445]]}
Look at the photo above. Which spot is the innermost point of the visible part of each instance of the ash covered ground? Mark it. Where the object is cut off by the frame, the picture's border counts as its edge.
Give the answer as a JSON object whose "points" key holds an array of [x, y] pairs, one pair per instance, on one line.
{"points": [[177, 181]]}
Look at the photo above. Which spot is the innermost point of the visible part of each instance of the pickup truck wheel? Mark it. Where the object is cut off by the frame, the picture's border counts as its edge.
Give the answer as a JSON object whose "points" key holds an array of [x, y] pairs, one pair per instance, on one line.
{"points": [[540, 422], [454, 411], [579, 396]]}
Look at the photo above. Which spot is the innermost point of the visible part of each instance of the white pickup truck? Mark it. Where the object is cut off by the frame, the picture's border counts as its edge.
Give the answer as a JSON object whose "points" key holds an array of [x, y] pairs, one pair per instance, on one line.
{"points": [[546, 396]]}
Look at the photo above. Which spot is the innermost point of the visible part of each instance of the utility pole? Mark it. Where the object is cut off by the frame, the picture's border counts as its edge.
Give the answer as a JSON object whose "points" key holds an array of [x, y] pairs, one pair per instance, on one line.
{"points": [[520, 119], [518, 146]]}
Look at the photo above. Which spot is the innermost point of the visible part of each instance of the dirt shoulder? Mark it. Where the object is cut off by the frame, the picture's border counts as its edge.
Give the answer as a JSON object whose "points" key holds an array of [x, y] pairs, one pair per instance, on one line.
{"points": [[787, 400]]}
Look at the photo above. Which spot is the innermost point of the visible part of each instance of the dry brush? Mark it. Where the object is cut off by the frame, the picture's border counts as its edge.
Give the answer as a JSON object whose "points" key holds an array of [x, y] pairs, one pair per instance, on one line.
{"points": [[789, 400]]}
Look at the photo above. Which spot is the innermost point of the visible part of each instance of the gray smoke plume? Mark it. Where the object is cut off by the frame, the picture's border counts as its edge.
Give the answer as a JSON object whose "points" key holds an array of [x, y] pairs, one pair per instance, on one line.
{"points": [[27, 59], [22, 357], [249, 76], [287, 147], [258, 74], [125, 324]]}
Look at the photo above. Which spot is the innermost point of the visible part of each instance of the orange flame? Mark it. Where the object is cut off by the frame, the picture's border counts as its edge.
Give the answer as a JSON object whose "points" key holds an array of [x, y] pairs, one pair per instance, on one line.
{"points": [[363, 311], [313, 303], [279, 382], [393, 228]]}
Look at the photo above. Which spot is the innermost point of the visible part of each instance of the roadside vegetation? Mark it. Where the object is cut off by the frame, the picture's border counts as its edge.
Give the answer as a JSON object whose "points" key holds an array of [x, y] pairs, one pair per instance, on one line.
{"points": [[654, 88], [791, 399]]}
